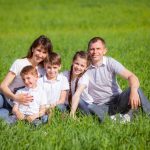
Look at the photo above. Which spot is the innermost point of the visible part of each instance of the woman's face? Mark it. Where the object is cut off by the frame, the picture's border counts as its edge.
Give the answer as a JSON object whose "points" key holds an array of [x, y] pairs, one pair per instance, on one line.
{"points": [[39, 54]]}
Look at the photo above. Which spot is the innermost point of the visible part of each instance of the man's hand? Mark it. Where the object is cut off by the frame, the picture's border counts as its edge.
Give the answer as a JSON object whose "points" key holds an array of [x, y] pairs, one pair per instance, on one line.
{"points": [[134, 99]]}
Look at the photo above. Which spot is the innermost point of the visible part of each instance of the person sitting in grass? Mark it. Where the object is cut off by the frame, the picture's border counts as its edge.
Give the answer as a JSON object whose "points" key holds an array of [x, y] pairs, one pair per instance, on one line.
{"points": [[104, 89], [38, 51], [55, 84], [35, 109], [78, 82]]}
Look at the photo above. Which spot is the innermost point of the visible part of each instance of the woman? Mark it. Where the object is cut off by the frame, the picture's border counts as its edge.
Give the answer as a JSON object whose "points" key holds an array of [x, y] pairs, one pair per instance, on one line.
{"points": [[39, 50]]}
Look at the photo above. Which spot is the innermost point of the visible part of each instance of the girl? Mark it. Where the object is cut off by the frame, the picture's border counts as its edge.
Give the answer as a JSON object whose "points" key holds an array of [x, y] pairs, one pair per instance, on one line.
{"points": [[39, 50], [78, 82]]}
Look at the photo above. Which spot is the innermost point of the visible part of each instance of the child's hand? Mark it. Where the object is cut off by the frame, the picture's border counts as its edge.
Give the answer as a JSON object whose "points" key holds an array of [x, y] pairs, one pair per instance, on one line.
{"points": [[53, 105], [72, 115], [20, 115], [31, 118]]}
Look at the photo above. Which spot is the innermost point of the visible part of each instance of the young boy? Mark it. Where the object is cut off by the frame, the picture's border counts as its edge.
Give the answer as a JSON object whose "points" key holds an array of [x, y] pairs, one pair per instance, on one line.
{"points": [[36, 108], [55, 84], [103, 87]]}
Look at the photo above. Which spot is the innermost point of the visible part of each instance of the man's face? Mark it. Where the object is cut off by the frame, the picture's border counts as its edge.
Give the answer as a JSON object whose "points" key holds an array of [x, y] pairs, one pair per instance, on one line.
{"points": [[52, 70], [96, 51]]}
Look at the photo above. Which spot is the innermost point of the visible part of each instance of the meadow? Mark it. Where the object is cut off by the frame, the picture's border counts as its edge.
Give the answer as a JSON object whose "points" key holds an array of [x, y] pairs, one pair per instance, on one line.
{"points": [[125, 25]]}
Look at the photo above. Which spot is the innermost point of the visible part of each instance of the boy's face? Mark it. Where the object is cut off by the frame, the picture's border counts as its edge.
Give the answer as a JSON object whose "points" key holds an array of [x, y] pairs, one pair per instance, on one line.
{"points": [[96, 51], [30, 80], [52, 70]]}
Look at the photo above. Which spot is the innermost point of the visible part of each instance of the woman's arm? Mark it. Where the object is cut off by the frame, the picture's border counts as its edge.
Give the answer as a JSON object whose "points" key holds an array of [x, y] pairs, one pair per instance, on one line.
{"points": [[22, 98], [5, 85]]}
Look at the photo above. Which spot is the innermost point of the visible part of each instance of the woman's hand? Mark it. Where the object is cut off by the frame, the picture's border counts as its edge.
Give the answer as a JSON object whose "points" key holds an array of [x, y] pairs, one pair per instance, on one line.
{"points": [[24, 99]]}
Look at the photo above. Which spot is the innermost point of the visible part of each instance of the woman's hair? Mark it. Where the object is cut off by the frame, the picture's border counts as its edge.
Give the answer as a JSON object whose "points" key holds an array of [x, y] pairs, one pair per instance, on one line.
{"points": [[42, 41], [83, 55]]}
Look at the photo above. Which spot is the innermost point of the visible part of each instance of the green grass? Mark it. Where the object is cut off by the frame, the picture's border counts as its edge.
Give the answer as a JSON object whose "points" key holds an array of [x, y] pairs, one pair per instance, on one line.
{"points": [[125, 25]]}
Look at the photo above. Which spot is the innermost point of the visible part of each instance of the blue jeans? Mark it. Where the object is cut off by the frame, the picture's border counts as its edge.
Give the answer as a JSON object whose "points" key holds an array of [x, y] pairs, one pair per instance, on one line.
{"points": [[40, 121], [83, 106], [4, 110], [63, 107], [119, 104], [4, 103]]}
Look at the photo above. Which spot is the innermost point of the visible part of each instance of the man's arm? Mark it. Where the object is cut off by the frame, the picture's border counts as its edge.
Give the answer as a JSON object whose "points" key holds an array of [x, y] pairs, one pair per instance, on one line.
{"points": [[133, 81]]}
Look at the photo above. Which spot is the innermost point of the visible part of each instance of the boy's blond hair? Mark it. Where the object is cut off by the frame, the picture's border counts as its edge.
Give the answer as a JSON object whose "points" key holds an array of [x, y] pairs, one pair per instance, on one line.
{"points": [[29, 70]]}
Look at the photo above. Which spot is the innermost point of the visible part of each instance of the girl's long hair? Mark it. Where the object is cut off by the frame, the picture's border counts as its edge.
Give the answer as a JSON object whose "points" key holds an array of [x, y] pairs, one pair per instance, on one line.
{"points": [[83, 55]]}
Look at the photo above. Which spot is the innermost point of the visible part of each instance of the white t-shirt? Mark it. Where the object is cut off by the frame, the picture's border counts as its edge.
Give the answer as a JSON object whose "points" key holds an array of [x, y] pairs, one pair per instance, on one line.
{"points": [[16, 68], [84, 80], [39, 99], [53, 88]]}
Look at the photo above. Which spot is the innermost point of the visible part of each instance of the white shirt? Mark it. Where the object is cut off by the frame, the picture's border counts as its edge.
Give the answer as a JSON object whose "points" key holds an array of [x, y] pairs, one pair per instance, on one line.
{"points": [[84, 80], [103, 85], [53, 88], [16, 68], [39, 99]]}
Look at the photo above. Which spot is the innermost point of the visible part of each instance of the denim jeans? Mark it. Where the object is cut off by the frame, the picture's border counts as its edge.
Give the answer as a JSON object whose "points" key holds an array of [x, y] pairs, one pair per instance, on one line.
{"points": [[4, 103], [119, 104], [4, 112], [40, 121], [63, 107], [83, 106]]}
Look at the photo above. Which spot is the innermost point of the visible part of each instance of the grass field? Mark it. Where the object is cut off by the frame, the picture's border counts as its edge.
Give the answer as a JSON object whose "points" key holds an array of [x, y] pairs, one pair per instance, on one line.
{"points": [[125, 25]]}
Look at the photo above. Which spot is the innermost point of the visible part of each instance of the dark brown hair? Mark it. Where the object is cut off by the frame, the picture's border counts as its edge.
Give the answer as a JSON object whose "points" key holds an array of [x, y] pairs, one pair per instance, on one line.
{"points": [[42, 41], [53, 59], [83, 55], [95, 39]]}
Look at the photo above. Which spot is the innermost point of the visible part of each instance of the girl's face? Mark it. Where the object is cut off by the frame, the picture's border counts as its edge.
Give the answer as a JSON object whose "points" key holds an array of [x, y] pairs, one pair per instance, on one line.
{"points": [[39, 54], [79, 66]]}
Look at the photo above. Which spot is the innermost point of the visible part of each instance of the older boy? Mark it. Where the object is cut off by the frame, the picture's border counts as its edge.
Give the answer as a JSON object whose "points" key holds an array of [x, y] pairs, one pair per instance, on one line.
{"points": [[104, 89], [36, 108], [54, 83]]}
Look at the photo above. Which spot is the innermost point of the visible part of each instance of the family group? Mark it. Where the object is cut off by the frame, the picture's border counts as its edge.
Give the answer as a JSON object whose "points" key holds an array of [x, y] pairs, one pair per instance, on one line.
{"points": [[34, 85]]}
